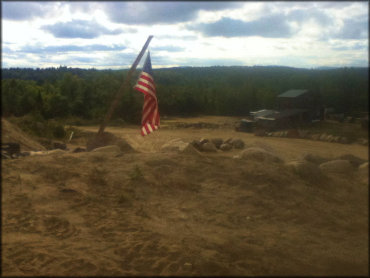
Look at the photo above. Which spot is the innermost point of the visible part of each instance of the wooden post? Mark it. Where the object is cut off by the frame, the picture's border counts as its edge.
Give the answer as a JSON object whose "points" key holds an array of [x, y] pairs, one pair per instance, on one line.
{"points": [[124, 85]]}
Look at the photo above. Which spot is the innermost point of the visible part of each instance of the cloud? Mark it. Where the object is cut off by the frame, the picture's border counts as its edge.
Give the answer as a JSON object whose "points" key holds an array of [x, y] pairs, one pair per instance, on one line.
{"points": [[70, 48], [168, 48], [304, 15], [354, 29], [79, 29], [356, 46], [271, 26], [146, 13], [19, 11]]}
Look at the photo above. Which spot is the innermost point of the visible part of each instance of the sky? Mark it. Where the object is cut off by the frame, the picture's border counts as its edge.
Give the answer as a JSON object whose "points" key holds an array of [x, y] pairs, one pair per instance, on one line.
{"points": [[109, 35]]}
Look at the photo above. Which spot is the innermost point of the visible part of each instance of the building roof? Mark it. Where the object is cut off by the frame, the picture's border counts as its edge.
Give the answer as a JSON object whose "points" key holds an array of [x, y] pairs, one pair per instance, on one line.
{"points": [[293, 93]]}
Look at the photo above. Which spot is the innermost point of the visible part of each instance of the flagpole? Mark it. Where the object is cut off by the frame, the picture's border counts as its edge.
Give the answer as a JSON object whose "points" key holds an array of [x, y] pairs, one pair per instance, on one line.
{"points": [[125, 83]]}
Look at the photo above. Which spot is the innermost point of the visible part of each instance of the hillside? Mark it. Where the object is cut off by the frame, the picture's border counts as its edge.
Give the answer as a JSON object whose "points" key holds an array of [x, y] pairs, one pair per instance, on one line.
{"points": [[165, 212]]}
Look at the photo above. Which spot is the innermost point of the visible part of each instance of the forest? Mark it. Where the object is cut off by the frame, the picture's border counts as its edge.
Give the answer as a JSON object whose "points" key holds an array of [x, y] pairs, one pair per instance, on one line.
{"points": [[57, 93]]}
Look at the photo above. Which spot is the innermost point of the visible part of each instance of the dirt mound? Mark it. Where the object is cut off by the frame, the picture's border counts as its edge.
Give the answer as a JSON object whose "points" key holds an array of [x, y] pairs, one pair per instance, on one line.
{"points": [[10, 133], [306, 170], [339, 166], [156, 213], [259, 154]]}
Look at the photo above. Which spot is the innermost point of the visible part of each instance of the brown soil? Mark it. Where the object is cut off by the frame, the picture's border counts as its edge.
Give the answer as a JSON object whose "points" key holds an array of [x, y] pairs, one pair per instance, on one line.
{"points": [[156, 213], [12, 134]]}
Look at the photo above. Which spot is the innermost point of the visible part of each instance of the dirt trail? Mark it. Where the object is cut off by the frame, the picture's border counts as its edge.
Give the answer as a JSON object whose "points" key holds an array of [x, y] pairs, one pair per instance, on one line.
{"points": [[157, 213]]}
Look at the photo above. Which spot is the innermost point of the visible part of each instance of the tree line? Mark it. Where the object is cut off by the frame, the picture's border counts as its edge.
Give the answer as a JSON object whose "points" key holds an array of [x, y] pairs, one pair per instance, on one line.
{"points": [[87, 93]]}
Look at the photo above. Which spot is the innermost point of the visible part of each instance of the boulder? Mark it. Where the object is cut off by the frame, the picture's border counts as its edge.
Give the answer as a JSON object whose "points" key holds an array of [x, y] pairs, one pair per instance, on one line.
{"points": [[196, 144], [209, 147], [173, 145], [316, 159], [238, 143], [315, 136], [203, 141], [339, 166], [259, 154], [323, 137], [343, 140], [217, 142], [292, 133], [226, 147], [305, 169], [354, 160], [188, 148]]}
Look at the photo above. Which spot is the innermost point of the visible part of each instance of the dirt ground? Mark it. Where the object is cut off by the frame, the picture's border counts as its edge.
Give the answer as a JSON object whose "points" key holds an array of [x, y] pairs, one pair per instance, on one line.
{"points": [[168, 213]]}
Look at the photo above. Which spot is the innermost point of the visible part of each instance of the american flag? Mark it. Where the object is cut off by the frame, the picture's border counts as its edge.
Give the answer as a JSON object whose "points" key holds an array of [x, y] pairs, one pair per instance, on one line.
{"points": [[145, 84]]}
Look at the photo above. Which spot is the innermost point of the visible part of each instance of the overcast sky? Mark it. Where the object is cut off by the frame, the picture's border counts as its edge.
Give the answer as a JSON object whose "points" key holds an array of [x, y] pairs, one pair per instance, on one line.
{"points": [[111, 34]]}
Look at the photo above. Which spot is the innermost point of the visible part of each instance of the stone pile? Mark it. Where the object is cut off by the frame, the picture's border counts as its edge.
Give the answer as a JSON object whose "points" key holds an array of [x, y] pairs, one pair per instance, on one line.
{"points": [[215, 144]]}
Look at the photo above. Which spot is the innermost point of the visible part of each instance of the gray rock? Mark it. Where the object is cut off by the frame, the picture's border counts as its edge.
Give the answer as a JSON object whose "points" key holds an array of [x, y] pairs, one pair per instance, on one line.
{"points": [[238, 143], [354, 160], [188, 148], [343, 140], [209, 147], [203, 141], [196, 144], [226, 147], [217, 142], [305, 169], [316, 159]]}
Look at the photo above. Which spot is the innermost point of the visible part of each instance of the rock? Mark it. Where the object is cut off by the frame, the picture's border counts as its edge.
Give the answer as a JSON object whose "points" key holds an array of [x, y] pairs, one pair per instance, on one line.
{"points": [[209, 147], [226, 147], [354, 160], [107, 149], [330, 138], [229, 140], [238, 143], [59, 145], [303, 133], [124, 146], [315, 136], [217, 142], [363, 141], [337, 166], [196, 144], [292, 133], [259, 132], [188, 148], [259, 154], [336, 139], [305, 169], [173, 145], [343, 140], [78, 150], [316, 159], [323, 137], [203, 141]]}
